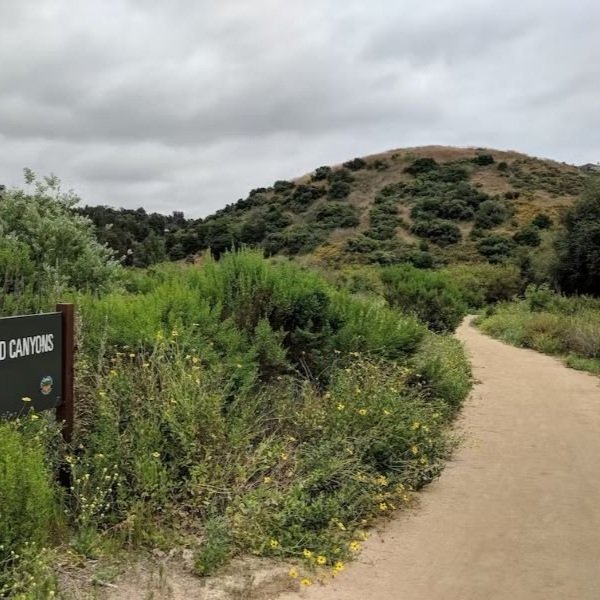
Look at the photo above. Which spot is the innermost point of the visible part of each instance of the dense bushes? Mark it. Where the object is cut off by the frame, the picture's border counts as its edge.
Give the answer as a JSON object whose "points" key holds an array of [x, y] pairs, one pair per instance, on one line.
{"points": [[336, 214], [305, 195], [441, 232], [483, 160], [383, 218], [528, 236], [305, 317], [339, 189], [356, 164], [490, 214], [241, 406], [296, 239], [428, 295], [483, 284], [421, 165], [496, 248], [321, 173]]}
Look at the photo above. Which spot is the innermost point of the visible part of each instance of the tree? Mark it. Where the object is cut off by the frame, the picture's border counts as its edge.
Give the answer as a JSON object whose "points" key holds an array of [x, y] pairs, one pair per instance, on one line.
{"points": [[579, 247], [50, 242]]}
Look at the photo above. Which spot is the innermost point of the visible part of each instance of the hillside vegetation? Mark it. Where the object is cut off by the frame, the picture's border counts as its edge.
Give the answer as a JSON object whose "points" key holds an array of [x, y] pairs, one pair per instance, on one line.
{"points": [[239, 406], [428, 206], [249, 403]]}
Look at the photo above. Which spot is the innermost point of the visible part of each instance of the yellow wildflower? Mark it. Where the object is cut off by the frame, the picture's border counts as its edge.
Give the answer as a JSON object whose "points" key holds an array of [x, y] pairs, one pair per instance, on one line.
{"points": [[354, 546], [383, 506], [156, 454], [307, 553], [306, 581], [362, 411], [26, 399], [293, 573], [341, 406], [267, 479], [274, 544], [321, 560], [415, 426], [34, 417], [415, 450], [339, 566]]}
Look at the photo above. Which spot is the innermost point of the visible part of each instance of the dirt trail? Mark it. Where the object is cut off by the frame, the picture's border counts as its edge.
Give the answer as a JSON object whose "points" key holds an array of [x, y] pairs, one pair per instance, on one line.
{"points": [[516, 515]]}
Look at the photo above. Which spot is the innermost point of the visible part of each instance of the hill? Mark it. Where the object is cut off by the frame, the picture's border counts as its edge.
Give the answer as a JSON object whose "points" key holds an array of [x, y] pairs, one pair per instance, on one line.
{"points": [[423, 205]]}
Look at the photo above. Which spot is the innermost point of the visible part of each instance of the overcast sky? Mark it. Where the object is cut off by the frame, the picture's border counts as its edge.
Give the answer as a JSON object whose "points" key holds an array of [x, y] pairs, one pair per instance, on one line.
{"points": [[188, 104]]}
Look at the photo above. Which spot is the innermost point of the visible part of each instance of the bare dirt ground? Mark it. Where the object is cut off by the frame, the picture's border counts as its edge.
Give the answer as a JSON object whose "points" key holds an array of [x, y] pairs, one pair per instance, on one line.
{"points": [[516, 514]]}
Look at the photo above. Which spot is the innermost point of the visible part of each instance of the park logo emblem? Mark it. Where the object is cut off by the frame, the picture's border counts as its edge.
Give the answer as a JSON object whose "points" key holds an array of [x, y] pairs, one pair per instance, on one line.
{"points": [[46, 385]]}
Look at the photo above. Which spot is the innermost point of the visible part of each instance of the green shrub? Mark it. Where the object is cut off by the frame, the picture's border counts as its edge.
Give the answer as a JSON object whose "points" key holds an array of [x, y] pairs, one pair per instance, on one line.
{"points": [[483, 160], [421, 165], [297, 239], [542, 221], [321, 174], [339, 189], [282, 185], [356, 164], [483, 284], [383, 219], [429, 295], [362, 244], [341, 174], [528, 236], [305, 195], [490, 214], [336, 214], [443, 233], [496, 248]]}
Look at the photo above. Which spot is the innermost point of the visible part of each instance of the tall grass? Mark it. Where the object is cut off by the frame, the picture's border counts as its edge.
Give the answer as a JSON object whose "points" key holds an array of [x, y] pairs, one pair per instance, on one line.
{"points": [[552, 324]]}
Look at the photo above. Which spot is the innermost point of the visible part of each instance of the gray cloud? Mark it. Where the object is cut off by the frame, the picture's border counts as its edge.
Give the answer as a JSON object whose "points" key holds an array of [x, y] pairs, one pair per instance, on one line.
{"points": [[186, 105]]}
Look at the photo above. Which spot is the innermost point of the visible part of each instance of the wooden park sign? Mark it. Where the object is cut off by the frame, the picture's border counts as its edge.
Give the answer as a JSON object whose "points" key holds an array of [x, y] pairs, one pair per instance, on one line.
{"points": [[36, 364]]}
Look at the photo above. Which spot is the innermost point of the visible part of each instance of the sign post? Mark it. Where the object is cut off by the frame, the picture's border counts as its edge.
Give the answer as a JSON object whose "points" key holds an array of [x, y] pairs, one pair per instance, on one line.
{"points": [[65, 411], [36, 364]]}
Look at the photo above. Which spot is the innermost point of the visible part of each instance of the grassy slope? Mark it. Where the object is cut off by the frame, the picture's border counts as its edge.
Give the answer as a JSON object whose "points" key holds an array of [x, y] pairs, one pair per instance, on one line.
{"points": [[543, 186]]}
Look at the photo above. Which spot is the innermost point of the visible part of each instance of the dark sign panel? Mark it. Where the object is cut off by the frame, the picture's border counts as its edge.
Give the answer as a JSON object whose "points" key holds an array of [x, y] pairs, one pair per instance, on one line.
{"points": [[30, 363]]}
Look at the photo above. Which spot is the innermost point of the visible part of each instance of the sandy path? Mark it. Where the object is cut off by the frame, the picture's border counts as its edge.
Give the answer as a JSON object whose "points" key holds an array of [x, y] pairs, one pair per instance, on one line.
{"points": [[516, 515]]}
